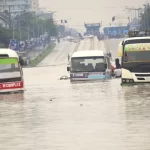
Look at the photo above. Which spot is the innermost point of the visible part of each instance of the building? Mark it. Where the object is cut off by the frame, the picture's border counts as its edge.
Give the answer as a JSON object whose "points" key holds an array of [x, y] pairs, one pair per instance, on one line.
{"points": [[35, 5], [45, 14], [15, 6]]}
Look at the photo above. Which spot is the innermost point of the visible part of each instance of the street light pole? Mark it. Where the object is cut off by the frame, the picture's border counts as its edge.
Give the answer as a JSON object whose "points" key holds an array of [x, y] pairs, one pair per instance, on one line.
{"points": [[9, 17], [33, 27], [28, 29], [20, 29], [13, 29]]}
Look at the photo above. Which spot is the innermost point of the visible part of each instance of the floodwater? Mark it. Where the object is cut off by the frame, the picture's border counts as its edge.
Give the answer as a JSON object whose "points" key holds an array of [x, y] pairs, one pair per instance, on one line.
{"points": [[55, 114]]}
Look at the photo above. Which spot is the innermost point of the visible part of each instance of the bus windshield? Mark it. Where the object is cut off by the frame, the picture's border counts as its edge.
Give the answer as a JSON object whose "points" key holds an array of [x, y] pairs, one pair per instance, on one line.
{"points": [[137, 52], [137, 56], [9, 68], [89, 64]]}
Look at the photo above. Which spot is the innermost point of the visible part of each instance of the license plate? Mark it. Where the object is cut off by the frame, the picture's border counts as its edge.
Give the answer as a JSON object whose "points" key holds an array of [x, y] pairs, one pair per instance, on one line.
{"points": [[79, 75]]}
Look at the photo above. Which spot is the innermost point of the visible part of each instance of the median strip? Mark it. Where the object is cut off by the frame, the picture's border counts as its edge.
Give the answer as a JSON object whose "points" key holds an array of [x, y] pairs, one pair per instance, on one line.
{"points": [[41, 56], [76, 47]]}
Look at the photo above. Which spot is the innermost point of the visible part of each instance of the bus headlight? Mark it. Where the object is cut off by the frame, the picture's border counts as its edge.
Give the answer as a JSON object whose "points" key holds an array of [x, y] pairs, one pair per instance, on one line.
{"points": [[127, 80]]}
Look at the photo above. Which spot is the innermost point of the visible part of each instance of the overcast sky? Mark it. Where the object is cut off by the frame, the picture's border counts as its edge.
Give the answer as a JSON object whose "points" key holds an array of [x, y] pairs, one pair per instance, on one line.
{"points": [[80, 11]]}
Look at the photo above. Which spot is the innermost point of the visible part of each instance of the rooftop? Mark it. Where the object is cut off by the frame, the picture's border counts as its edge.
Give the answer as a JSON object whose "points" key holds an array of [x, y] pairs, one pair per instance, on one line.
{"points": [[88, 53], [137, 38], [9, 52]]}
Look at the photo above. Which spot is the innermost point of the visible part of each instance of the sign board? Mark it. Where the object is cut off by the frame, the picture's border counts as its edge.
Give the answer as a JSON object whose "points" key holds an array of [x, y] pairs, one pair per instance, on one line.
{"points": [[137, 47], [116, 31], [14, 45]]}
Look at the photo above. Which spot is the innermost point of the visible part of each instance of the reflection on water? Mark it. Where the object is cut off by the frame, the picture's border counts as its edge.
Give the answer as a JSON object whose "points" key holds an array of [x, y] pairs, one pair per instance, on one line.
{"points": [[56, 114], [12, 97], [137, 115]]}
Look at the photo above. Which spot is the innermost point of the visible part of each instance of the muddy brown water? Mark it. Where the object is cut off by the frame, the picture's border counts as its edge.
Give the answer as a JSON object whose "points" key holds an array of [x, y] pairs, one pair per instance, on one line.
{"points": [[55, 114]]}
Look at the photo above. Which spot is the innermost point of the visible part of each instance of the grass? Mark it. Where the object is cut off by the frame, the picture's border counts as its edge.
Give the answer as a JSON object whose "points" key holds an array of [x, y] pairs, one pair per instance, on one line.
{"points": [[41, 56]]}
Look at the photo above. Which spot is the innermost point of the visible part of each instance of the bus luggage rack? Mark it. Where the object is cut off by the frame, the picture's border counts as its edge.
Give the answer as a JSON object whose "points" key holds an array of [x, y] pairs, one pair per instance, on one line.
{"points": [[138, 33]]}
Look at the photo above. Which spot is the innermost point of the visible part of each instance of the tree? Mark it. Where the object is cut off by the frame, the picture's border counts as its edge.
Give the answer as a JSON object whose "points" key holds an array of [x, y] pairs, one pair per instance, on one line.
{"points": [[34, 25], [30, 25], [5, 36]]}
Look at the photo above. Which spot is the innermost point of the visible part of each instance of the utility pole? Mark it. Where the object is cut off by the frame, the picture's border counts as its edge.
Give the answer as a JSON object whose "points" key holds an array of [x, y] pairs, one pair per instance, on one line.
{"points": [[133, 9], [9, 12], [13, 29], [38, 27], [20, 29], [147, 16]]}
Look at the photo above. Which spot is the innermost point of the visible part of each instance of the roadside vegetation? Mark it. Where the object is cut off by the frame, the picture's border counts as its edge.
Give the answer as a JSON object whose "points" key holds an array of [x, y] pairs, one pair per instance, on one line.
{"points": [[25, 26], [41, 56]]}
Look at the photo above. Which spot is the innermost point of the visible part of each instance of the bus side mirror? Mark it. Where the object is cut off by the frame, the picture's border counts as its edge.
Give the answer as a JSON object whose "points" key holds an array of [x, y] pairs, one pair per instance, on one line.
{"points": [[105, 65], [68, 69]]}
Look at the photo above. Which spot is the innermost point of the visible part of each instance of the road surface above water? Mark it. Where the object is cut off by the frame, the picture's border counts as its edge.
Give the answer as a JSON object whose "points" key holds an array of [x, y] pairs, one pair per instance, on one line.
{"points": [[55, 114]]}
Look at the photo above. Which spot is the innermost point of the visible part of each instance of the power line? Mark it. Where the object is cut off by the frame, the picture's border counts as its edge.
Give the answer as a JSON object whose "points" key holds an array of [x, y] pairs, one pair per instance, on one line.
{"points": [[77, 8]]}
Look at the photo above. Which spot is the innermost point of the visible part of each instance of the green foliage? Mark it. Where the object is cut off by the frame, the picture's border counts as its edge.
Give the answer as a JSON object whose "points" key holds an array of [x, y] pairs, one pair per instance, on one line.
{"points": [[5, 36], [35, 25], [31, 25], [61, 29]]}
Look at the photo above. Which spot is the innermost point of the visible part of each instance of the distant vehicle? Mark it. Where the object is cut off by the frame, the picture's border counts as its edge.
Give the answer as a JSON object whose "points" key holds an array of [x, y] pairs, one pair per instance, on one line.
{"points": [[135, 60], [88, 36], [11, 74], [89, 65], [73, 39]]}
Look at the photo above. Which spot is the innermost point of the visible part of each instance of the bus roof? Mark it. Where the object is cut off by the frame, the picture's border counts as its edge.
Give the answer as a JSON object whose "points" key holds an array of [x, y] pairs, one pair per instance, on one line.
{"points": [[9, 52], [137, 38], [88, 53]]}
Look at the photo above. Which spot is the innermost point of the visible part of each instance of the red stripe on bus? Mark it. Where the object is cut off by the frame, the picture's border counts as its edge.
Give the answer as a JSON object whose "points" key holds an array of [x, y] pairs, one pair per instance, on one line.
{"points": [[11, 85]]}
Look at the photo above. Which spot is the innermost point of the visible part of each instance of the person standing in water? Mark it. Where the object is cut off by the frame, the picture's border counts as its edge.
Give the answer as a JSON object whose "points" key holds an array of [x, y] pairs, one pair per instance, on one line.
{"points": [[117, 71]]}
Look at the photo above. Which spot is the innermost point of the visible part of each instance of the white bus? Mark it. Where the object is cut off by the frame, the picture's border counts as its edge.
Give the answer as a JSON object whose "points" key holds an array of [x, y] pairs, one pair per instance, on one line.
{"points": [[89, 65], [11, 74], [135, 60]]}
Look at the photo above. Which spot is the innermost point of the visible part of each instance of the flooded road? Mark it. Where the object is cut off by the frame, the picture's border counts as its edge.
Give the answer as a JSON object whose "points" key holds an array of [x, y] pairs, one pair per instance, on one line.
{"points": [[55, 114]]}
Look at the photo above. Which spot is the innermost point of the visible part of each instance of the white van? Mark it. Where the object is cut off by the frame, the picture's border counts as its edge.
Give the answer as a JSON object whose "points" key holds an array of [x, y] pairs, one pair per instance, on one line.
{"points": [[89, 65]]}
